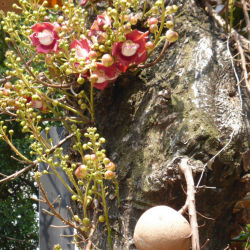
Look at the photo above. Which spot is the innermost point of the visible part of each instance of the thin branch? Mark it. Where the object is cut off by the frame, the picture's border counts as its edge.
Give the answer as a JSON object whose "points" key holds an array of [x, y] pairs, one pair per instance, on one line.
{"points": [[226, 14], [205, 244], [184, 208], [235, 73], [55, 213], [243, 62], [54, 226], [14, 239], [208, 218], [67, 235], [206, 187], [187, 171], [38, 200], [245, 11], [47, 212], [51, 84], [6, 79], [222, 23], [4, 175], [94, 224], [18, 160], [54, 201], [26, 65], [18, 173], [166, 45]]}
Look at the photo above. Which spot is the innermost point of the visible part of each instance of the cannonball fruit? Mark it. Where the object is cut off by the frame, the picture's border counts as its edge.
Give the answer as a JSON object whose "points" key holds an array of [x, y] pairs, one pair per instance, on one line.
{"points": [[162, 228]]}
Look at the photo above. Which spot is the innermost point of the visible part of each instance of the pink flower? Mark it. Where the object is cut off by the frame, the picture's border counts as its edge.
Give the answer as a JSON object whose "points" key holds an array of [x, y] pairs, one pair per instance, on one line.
{"points": [[106, 74], [82, 48], [44, 38], [100, 21], [83, 2], [132, 50], [97, 31]]}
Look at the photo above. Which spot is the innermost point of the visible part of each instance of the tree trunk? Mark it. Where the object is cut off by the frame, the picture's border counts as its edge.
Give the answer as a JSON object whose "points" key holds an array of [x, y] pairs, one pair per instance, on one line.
{"points": [[148, 131]]}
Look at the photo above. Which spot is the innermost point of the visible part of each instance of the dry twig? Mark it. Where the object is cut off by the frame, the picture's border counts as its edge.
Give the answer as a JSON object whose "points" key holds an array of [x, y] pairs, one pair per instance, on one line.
{"points": [[190, 202], [246, 16], [94, 224], [20, 172], [245, 43]]}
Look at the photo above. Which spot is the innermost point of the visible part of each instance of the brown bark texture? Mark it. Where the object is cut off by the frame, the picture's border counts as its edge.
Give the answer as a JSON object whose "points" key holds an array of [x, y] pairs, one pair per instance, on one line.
{"points": [[148, 131]]}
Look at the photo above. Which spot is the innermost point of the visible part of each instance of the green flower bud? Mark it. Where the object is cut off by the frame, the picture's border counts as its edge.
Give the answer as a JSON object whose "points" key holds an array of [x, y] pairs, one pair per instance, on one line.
{"points": [[101, 218]]}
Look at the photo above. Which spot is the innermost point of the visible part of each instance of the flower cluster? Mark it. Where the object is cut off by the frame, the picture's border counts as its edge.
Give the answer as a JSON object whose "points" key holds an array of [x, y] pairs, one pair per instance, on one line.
{"points": [[108, 65]]}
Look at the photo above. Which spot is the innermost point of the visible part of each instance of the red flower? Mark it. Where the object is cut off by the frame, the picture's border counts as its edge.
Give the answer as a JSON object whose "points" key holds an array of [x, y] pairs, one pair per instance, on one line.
{"points": [[106, 74], [100, 21], [82, 48], [44, 38], [133, 50], [97, 31]]}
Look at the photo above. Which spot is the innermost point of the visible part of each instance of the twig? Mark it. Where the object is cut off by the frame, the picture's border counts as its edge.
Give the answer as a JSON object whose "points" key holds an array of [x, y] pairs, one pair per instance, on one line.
{"points": [[6, 79], [18, 160], [235, 73], [59, 206], [243, 62], [6, 111], [47, 212], [205, 244], [222, 23], [184, 208], [54, 226], [18, 173], [187, 171], [226, 14], [67, 235], [11, 238], [166, 44], [38, 200], [206, 187], [54, 201], [51, 84], [55, 213], [26, 65], [94, 224], [208, 218], [245, 11]]}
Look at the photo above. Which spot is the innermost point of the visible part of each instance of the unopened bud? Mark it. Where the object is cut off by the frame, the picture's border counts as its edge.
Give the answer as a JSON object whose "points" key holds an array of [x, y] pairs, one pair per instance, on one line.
{"points": [[153, 28], [152, 20], [107, 60], [109, 175], [172, 36]]}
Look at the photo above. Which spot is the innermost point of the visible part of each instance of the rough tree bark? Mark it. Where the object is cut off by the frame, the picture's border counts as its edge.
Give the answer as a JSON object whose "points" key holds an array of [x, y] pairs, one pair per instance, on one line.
{"points": [[148, 132]]}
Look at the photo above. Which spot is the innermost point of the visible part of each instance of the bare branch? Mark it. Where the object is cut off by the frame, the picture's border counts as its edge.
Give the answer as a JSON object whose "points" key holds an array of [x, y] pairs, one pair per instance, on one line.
{"points": [[18, 173], [54, 226], [6, 79], [205, 244], [246, 16], [94, 224], [187, 171], [243, 62], [54, 212], [245, 43]]}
